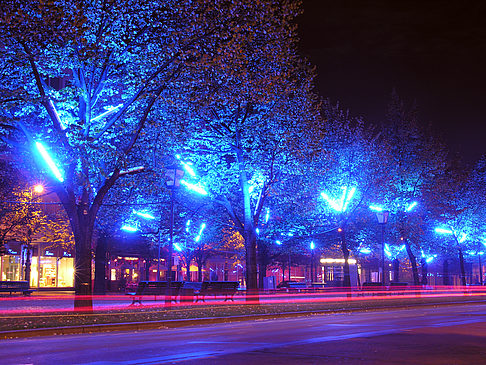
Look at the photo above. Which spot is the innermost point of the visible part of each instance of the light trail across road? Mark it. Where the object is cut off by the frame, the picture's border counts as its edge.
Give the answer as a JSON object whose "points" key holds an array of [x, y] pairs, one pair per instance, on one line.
{"points": [[433, 335]]}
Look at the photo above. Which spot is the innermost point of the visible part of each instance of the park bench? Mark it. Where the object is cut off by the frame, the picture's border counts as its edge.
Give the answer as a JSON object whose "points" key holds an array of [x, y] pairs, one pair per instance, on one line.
{"points": [[155, 288], [226, 288], [15, 287], [190, 289]]}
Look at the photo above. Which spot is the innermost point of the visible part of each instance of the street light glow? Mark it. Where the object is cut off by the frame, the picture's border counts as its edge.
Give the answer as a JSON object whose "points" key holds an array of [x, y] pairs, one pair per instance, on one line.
{"points": [[47, 158], [38, 189]]}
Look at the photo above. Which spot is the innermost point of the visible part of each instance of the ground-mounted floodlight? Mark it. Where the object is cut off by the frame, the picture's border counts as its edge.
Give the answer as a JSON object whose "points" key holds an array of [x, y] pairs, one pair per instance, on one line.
{"points": [[49, 161]]}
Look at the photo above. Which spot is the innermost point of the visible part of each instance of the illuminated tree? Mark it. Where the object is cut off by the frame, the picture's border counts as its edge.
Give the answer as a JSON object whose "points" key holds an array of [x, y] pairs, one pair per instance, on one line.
{"points": [[251, 119], [88, 83], [416, 158]]}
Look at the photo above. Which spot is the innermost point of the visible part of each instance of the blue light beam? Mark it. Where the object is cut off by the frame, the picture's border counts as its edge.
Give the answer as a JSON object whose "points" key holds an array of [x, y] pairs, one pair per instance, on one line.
{"points": [[128, 228], [47, 158], [196, 188], [143, 214]]}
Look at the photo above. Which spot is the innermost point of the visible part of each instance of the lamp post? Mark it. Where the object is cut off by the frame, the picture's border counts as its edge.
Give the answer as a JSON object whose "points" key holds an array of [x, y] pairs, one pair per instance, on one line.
{"points": [[174, 176], [382, 220], [312, 247]]}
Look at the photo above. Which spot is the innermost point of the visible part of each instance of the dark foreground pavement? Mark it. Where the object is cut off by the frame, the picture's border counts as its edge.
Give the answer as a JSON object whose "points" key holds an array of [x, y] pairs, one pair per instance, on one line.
{"points": [[432, 335]]}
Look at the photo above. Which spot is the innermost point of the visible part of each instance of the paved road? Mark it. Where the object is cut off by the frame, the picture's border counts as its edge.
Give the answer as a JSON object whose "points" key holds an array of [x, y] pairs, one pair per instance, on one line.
{"points": [[442, 335]]}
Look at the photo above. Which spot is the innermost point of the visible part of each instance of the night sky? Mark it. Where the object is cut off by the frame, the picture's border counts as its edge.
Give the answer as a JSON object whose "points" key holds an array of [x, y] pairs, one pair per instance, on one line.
{"points": [[433, 52]]}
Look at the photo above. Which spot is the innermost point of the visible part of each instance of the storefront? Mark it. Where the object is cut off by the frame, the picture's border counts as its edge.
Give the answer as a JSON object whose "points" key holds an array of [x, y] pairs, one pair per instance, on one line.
{"points": [[52, 268]]}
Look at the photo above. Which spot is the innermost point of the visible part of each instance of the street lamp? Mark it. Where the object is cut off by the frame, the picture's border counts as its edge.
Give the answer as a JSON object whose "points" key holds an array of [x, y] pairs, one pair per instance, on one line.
{"points": [[312, 247], [174, 176], [382, 217]]}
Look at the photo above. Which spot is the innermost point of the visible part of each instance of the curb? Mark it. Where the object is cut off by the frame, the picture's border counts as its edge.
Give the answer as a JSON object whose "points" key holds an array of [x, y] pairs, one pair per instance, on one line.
{"points": [[177, 323]]}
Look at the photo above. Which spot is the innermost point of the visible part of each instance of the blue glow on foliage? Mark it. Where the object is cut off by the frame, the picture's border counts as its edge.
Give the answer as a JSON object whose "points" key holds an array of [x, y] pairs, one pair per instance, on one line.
{"points": [[387, 250], [411, 206], [257, 231], [312, 245], [143, 214], [443, 231], [376, 208], [129, 228], [267, 215], [177, 247], [278, 242], [365, 250], [428, 258], [462, 237], [196, 188], [341, 204], [188, 223], [47, 158]]}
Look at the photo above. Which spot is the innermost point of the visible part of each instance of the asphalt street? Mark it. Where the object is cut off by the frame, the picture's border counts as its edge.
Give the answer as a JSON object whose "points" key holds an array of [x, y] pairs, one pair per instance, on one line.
{"points": [[432, 335]]}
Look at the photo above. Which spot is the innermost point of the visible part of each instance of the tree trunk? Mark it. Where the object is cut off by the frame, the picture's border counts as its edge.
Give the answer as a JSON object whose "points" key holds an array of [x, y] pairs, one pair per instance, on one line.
{"points": [[413, 262], [148, 261], [463, 270], [344, 249], [251, 268], [199, 271], [396, 270], [100, 266], [425, 271], [263, 259], [82, 225], [188, 268], [445, 276]]}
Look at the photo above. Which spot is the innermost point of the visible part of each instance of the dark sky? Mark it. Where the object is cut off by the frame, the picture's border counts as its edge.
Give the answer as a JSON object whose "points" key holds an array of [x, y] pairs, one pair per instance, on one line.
{"points": [[433, 52]]}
